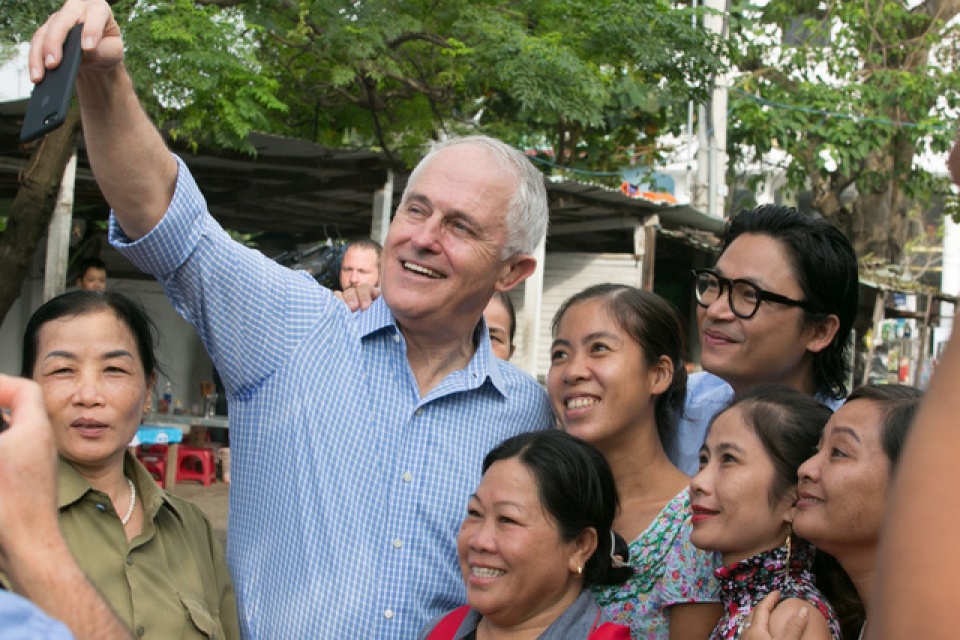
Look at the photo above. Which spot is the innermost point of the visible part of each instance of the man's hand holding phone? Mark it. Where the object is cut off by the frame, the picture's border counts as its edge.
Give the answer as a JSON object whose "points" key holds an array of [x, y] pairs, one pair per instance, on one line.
{"points": [[100, 41]]}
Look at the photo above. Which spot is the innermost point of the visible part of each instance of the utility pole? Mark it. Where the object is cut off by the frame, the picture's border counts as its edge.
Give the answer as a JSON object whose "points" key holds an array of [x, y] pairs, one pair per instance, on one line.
{"points": [[710, 189]]}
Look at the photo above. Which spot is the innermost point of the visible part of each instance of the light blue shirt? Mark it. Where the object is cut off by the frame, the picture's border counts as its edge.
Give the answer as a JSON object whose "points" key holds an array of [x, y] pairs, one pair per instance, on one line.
{"points": [[707, 395], [20, 619], [348, 488]]}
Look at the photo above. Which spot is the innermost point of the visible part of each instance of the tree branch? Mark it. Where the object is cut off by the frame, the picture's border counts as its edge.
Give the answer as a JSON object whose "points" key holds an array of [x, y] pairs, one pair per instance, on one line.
{"points": [[432, 38], [938, 9]]}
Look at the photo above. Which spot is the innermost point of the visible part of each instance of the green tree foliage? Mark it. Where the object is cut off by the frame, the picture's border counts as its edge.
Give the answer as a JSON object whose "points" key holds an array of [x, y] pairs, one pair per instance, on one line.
{"points": [[197, 71], [853, 92], [592, 81], [195, 66]]}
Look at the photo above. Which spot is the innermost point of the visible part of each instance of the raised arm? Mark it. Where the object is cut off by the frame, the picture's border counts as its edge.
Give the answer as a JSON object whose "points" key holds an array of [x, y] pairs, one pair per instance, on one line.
{"points": [[130, 160], [33, 553]]}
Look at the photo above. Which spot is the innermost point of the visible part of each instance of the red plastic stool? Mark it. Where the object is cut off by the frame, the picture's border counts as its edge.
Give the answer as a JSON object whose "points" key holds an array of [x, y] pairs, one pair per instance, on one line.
{"points": [[196, 463], [155, 449], [156, 465]]}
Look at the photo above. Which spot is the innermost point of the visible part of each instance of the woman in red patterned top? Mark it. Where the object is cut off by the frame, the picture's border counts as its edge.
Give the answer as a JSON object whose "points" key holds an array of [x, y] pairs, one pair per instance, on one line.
{"points": [[743, 501]]}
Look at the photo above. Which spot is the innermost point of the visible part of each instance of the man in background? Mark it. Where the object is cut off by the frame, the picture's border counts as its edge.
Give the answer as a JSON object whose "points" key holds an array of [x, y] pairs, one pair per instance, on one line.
{"points": [[360, 264]]}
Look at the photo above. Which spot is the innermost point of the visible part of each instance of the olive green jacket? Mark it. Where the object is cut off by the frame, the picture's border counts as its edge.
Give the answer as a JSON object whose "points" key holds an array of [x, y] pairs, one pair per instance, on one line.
{"points": [[169, 582]]}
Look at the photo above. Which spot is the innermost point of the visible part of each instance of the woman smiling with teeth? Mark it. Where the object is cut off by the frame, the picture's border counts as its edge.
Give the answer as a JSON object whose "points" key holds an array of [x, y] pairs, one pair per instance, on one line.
{"points": [[536, 536], [617, 381]]}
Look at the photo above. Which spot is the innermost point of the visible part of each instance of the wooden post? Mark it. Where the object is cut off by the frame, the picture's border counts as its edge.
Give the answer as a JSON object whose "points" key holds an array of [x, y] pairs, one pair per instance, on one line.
{"points": [[58, 234], [923, 338], [877, 318], [645, 250], [529, 324], [382, 207]]}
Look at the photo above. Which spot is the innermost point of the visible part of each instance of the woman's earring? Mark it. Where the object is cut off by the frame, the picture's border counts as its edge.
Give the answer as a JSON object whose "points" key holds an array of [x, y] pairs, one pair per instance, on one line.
{"points": [[786, 563]]}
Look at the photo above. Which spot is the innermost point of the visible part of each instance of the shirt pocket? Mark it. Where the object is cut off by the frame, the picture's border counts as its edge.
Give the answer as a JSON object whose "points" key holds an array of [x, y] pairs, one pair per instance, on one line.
{"points": [[202, 622]]}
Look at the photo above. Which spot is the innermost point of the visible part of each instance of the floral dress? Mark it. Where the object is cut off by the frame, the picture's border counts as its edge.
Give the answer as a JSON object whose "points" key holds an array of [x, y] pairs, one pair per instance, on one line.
{"points": [[744, 584], [668, 570]]}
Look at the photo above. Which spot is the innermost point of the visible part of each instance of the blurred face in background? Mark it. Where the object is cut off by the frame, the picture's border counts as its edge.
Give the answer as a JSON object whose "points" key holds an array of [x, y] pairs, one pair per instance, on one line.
{"points": [[93, 279], [360, 266], [500, 328]]}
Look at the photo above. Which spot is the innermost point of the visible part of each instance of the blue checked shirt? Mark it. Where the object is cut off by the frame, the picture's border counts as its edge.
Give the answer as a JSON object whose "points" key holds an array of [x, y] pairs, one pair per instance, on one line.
{"points": [[348, 488]]}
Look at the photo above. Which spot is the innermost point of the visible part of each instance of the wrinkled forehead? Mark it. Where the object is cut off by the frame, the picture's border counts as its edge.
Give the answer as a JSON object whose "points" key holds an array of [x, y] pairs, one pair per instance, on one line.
{"points": [[466, 157]]}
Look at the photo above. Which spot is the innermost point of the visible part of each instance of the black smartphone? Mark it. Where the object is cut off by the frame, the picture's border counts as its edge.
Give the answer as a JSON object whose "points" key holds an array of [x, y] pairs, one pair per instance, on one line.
{"points": [[51, 97]]}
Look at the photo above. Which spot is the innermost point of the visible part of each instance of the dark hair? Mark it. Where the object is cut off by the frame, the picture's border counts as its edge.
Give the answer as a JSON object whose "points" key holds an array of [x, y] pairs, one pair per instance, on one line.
{"points": [[898, 405], [655, 325], [576, 487], [78, 303], [365, 243], [788, 423], [825, 266], [508, 304], [90, 263]]}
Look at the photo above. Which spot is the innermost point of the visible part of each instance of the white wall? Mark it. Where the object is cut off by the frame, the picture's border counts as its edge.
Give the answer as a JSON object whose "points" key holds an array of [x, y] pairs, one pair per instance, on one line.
{"points": [[564, 275]]}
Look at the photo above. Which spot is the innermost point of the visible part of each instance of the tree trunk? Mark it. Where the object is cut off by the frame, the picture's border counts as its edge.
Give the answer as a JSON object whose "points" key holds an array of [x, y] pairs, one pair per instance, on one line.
{"points": [[879, 224], [31, 209]]}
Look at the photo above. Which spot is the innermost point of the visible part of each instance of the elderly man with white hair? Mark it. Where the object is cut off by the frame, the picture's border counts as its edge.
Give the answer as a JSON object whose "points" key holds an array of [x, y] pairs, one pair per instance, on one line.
{"points": [[355, 437]]}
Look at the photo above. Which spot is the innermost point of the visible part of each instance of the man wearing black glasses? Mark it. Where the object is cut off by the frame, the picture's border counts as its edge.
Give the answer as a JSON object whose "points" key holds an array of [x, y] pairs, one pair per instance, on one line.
{"points": [[777, 308]]}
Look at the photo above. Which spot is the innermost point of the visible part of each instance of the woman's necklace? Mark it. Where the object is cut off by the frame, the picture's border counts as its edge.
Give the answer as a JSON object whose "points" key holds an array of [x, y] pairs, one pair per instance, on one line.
{"points": [[133, 502]]}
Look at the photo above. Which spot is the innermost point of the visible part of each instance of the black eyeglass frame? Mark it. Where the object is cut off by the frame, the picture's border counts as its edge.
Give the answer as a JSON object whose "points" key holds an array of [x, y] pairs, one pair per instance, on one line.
{"points": [[728, 284]]}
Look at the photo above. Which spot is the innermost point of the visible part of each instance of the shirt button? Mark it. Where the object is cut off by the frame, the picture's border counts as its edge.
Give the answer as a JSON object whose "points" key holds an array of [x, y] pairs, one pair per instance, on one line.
{"points": [[101, 507], [407, 477], [397, 543], [129, 560], [396, 337], [141, 631], [388, 614], [418, 412]]}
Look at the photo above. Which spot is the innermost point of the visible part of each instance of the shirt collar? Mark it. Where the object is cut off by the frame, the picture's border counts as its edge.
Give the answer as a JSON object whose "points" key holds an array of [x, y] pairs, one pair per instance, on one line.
{"points": [[375, 318], [483, 365], [72, 486]]}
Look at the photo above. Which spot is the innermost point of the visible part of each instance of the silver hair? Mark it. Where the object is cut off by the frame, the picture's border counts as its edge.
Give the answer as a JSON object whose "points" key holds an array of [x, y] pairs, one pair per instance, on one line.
{"points": [[528, 212]]}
